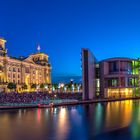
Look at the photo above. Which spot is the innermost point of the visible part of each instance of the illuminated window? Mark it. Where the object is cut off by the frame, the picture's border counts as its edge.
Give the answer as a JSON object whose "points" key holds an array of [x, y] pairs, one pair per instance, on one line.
{"points": [[114, 82]]}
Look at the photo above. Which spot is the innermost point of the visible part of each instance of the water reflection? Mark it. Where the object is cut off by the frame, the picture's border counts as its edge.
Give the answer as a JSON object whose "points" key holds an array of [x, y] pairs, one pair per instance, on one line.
{"points": [[62, 125], [114, 120], [118, 114]]}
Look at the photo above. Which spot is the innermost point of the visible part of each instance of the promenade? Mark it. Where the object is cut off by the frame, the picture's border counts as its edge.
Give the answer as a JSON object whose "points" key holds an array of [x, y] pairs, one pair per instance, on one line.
{"points": [[55, 103]]}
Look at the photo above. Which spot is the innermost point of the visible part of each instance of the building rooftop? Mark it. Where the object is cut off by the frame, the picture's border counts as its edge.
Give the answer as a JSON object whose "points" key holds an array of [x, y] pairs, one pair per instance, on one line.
{"points": [[115, 58]]}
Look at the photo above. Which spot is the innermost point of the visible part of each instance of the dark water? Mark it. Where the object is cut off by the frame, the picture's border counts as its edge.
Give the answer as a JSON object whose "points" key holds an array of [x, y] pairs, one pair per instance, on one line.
{"points": [[101, 121]]}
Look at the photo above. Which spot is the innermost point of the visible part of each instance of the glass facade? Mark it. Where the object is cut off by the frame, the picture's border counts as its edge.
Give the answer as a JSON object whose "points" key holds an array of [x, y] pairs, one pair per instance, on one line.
{"points": [[113, 67], [135, 67], [119, 92], [122, 78], [120, 66]]}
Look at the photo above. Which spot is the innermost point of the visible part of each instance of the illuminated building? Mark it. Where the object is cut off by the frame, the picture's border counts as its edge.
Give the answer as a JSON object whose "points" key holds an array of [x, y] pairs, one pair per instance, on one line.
{"points": [[114, 77], [34, 69], [119, 77]]}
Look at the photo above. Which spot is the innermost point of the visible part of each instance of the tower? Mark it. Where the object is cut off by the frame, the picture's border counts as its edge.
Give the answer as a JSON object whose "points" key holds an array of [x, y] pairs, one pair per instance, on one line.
{"points": [[3, 50]]}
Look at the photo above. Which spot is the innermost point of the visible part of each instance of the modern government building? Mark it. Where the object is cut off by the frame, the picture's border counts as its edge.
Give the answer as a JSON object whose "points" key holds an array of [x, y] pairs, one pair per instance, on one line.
{"points": [[110, 78], [34, 69]]}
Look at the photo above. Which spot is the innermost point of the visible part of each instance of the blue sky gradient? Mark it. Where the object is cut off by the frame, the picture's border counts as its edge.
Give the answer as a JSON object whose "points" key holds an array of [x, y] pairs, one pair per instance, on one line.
{"points": [[62, 27]]}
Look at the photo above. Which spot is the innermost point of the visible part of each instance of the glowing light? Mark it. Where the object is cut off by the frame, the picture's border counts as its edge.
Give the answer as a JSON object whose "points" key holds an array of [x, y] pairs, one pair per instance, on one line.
{"points": [[73, 87], [62, 113], [46, 87], [62, 85], [78, 88], [38, 115], [38, 48], [37, 87], [53, 89], [65, 88], [123, 92]]}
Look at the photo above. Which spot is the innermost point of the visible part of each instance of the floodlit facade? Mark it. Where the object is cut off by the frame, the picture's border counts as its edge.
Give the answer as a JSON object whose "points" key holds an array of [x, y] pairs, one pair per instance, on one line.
{"points": [[34, 69], [114, 78]]}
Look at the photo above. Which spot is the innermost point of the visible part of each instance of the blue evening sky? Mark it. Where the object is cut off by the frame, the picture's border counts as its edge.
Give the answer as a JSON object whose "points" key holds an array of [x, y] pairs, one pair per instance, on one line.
{"points": [[62, 27]]}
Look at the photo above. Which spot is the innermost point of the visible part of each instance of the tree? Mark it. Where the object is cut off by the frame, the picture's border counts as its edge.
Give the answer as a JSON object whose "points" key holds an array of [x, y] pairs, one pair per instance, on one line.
{"points": [[69, 86], [55, 86], [24, 87], [11, 86], [76, 86], [42, 86], [49, 86], [33, 86]]}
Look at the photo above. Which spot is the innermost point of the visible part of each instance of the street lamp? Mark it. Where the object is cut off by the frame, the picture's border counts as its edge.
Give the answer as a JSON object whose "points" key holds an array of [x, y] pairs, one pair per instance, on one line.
{"points": [[65, 89], [73, 87]]}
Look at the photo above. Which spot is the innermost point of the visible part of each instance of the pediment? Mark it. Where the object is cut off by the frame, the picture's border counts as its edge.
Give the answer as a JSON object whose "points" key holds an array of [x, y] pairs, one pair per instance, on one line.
{"points": [[29, 60]]}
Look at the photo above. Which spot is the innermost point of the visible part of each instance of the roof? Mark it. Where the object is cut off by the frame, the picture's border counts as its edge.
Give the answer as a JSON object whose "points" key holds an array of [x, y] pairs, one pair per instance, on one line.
{"points": [[118, 58], [21, 58], [39, 53]]}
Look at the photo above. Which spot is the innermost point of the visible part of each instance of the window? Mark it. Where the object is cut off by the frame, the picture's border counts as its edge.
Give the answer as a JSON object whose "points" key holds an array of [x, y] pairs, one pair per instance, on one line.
{"points": [[14, 69], [18, 76], [1, 68], [122, 81], [18, 69], [114, 66], [27, 70], [113, 82], [126, 66]]}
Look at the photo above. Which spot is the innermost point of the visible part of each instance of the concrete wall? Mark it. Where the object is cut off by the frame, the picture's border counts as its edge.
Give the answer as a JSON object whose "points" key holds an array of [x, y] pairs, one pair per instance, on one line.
{"points": [[88, 75]]}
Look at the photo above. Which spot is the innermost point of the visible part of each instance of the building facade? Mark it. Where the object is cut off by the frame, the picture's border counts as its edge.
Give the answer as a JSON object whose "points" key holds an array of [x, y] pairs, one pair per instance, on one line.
{"points": [[34, 69], [88, 75], [119, 77], [114, 78]]}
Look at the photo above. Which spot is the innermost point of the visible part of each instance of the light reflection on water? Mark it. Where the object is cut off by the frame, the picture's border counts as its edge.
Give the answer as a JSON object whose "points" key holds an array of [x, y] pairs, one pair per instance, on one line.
{"points": [[114, 120]]}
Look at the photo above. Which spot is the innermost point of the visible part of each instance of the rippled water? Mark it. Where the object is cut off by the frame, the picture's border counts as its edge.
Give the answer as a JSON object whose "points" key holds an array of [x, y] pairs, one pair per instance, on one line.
{"points": [[102, 121]]}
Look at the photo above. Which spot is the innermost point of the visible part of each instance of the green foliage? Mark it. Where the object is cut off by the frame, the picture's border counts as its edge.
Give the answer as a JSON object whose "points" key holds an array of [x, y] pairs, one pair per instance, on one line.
{"points": [[33, 86], [11, 86], [42, 86], [55, 86], [24, 86]]}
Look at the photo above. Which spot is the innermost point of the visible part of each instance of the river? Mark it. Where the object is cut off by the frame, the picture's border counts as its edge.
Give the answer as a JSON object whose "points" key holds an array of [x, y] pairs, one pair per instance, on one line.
{"points": [[102, 121]]}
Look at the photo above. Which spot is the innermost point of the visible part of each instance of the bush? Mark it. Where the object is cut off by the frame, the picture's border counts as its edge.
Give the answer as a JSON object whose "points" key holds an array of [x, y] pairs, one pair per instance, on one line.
{"points": [[11, 86], [33, 86]]}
